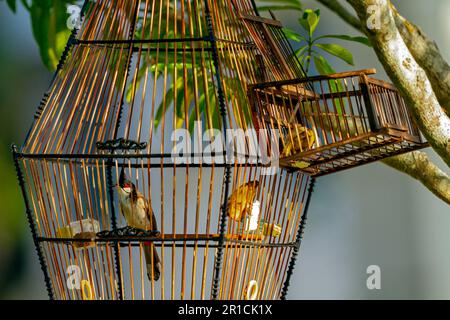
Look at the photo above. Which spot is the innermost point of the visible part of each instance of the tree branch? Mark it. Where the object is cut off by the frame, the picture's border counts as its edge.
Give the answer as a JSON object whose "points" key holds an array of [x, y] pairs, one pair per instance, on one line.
{"points": [[407, 75], [428, 56], [423, 49], [419, 166]]}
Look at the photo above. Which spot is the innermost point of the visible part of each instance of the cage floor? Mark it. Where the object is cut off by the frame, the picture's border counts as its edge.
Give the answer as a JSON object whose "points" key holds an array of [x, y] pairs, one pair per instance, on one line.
{"points": [[353, 152]]}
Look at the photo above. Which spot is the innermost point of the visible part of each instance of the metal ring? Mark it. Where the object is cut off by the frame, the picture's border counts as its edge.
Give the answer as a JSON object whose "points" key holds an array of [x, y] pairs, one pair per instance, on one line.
{"points": [[86, 286], [252, 290]]}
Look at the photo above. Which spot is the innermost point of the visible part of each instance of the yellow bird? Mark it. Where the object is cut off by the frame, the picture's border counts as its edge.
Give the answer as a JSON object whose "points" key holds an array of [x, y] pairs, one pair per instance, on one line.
{"points": [[299, 139], [272, 230], [240, 202]]}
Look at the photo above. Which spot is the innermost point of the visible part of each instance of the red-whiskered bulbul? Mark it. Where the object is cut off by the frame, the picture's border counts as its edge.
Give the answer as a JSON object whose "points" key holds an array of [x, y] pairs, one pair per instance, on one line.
{"points": [[138, 213]]}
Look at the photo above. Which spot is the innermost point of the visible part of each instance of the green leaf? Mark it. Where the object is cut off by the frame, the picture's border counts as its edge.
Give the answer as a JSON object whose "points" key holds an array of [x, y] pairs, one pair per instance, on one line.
{"points": [[310, 20], [337, 51], [134, 85], [40, 20], [313, 20], [362, 40], [299, 52], [281, 5], [12, 5], [292, 35], [279, 8], [48, 20], [26, 5], [323, 67]]}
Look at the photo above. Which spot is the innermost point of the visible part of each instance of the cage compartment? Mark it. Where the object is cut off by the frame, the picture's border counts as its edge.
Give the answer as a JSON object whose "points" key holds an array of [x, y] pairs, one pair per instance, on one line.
{"points": [[83, 233], [348, 119]]}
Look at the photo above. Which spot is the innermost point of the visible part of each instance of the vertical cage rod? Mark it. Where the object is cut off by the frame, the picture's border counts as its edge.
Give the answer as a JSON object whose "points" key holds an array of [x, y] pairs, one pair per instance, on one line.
{"points": [[117, 261], [295, 252], [110, 163], [371, 111], [222, 105], [32, 224]]}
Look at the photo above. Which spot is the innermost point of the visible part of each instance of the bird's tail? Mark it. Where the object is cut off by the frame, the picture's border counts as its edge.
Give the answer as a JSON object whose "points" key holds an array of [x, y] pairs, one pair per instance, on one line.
{"points": [[152, 261]]}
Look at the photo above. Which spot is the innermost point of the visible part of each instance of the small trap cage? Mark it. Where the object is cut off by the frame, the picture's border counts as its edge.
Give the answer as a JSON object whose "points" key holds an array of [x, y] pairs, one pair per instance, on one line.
{"points": [[346, 120], [132, 183]]}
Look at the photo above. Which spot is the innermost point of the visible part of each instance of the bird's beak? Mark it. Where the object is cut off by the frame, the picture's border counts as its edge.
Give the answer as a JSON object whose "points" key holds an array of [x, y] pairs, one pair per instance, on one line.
{"points": [[122, 177]]}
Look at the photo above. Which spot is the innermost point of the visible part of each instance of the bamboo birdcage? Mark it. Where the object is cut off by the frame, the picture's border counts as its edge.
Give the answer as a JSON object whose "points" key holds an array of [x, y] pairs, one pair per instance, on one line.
{"points": [[347, 120], [136, 71]]}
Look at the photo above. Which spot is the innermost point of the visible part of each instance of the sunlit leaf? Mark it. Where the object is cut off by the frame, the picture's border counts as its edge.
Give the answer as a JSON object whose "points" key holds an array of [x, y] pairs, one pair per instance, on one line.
{"points": [[48, 20], [281, 5], [279, 8], [310, 20], [299, 52], [323, 66], [337, 51], [362, 40], [292, 35]]}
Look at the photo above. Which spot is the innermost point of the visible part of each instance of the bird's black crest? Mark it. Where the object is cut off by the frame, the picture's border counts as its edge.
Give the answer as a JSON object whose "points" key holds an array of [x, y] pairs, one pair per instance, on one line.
{"points": [[123, 178]]}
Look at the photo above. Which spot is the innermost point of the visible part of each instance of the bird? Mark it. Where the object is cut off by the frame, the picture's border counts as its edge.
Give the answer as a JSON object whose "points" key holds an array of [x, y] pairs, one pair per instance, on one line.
{"points": [[302, 139], [240, 202], [138, 213]]}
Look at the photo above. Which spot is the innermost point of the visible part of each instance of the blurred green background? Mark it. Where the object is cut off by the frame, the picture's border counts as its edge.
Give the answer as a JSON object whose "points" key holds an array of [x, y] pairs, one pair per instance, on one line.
{"points": [[371, 215]]}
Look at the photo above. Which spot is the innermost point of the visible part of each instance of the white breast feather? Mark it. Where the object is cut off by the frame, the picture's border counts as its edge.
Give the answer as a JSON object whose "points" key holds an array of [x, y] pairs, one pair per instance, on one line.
{"points": [[136, 217]]}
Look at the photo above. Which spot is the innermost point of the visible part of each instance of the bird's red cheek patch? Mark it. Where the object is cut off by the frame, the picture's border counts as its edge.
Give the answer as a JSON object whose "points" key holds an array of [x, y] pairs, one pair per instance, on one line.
{"points": [[127, 189]]}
